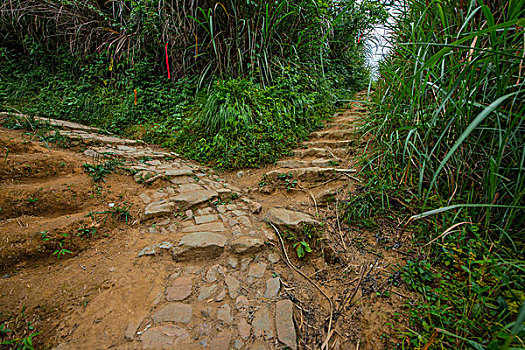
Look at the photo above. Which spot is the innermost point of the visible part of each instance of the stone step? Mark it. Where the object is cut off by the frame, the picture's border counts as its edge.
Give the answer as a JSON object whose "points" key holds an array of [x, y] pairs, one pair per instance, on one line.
{"points": [[200, 245], [310, 174], [319, 162], [332, 134], [330, 143], [321, 152]]}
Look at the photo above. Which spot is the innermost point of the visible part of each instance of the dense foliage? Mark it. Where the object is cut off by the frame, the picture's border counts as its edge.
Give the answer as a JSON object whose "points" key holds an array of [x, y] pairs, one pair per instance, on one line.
{"points": [[449, 124], [86, 60]]}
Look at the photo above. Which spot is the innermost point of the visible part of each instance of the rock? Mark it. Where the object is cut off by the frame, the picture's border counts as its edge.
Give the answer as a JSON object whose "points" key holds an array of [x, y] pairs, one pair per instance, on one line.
{"points": [[220, 297], [188, 199], [233, 286], [158, 208], [245, 330], [257, 270], [145, 198], [273, 258], [154, 249], [292, 164], [240, 174], [221, 341], [206, 312], [155, 162], [233, 262], [190, 188], [241, 302], [209, 227], [284, 324], [189, 213], [245, 221], [211, 275], [245, 263], [272, 288], [286, 218], [231, 207], [247, 245], [180, 180], [178, 172], [174, 312], [90, 153], [204, 245], [180, 289], [310, 174], [327, 196], [258, 347], [255, 207], [262, 326], [163, 337], [207, 291], [221, 209], [224, 194], [131, 330], [224, 314], [323, 163], [204, 219]]}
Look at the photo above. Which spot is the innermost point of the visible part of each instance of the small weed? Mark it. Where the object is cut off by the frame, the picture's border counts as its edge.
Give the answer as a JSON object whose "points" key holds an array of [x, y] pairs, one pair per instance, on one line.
{"points": [[302, 248], [32, 200], [61, 250], [116, 212], [85, 231], [99, 171]]}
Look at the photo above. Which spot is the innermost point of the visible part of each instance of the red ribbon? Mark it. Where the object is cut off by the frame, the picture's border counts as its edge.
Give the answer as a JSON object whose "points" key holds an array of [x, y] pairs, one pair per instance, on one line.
{"points": [[360, 35], [167, 63]]}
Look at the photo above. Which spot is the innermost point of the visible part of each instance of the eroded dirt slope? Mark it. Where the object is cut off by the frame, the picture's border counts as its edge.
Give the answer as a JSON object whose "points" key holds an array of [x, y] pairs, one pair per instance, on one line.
{"points": [[194, 263]]}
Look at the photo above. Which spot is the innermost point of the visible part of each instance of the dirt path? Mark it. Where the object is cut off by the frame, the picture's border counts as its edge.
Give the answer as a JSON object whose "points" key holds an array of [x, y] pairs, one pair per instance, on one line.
{"points": [[197, 266]]}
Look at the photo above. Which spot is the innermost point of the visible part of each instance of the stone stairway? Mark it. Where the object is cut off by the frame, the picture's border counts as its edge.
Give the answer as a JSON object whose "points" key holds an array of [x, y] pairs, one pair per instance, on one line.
{"points": [[326, 157], [226, 290]]}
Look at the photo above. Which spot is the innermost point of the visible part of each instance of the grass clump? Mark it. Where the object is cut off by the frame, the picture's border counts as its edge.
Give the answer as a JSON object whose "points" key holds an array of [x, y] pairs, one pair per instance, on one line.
{"points": [[449, 129]]}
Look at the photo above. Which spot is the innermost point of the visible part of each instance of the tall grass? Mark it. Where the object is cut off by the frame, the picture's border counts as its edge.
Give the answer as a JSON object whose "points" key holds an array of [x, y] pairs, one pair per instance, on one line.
{"points": [[234, 38], [449, 122]]}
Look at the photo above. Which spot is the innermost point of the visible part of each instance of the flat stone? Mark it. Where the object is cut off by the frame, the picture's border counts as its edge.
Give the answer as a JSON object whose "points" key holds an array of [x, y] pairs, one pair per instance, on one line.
{"points": [[145, 198], [262, 325], [241, 302], [131, 329], [189, 199], [209, 227], [180, 180], [292, 219], [174, 312], [189, 213], [231, 207], [158, 208], [207, 291], [255, 207], [257, 270], [245, 263], [273, 258], [247, 245], [224, 314], [220, 297], [272, 288], [224, 194], [233, 262], [221, 209], [245, 330], [233, 286], [204, 219], [203, 245], [155, 162], [180, 289], [245, 221], [211, 275], [178, 172], [163, 337], [190, 188], [221, 341], [292, 164], [322, 163], [205, 211], [284, 324]]}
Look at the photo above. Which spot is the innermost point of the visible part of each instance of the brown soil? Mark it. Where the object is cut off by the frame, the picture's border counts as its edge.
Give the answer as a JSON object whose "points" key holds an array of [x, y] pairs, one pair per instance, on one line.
{"points": [[91, 295]]}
